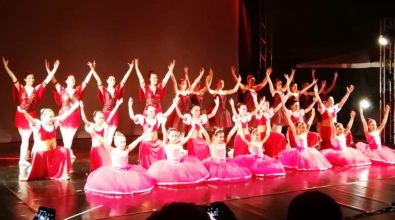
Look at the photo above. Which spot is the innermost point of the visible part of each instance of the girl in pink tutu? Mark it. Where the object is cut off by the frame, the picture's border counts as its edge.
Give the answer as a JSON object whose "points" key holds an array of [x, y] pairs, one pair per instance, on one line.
{"points": [[183, 90], [177, 169], [340, 154], [256, 161], [223, 169], [222, 119], [27, 97], [151, 148], [49, 161], [154, 91], [197, 145], [99, 156], [109, 95], [303, 157], [376, 152], [65, 96], [120, 178]]}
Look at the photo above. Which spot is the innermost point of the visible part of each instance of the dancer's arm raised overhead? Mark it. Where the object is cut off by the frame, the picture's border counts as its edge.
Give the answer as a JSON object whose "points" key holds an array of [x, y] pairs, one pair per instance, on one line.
{"points": [[127, 74], [172, 107], [112, 113], [169, 72], [350, 89], [350, 123], [215, 109], [197, 80], [139, 74], [92, 65]]}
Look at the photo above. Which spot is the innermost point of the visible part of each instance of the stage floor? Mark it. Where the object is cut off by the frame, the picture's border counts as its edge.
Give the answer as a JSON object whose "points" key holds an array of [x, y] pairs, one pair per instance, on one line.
{"points": [[356, 190]]}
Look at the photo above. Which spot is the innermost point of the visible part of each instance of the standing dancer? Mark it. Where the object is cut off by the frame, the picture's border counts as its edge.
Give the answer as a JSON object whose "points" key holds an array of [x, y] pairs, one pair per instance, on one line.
{"points": [[120, 178], [109, 95], [154, 91], [279, 119], [151, 148], [340, 154], [27, 97], [65, 97], [99, 156], [197, 92], [292, 87], [177, 169], [329, 109], [222, 119], [196, 145], [48, 159], [376, 152]]}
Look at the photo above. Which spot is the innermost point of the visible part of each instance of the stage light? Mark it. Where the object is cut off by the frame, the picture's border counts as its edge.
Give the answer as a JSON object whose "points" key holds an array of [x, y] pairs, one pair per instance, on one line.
{"points": [[364, 103], [383, 40]]}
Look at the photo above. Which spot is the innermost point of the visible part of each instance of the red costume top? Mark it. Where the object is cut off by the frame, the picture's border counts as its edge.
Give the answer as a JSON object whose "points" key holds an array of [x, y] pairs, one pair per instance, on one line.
{"points": [[153, 98], [65, 100], [109, 100]]}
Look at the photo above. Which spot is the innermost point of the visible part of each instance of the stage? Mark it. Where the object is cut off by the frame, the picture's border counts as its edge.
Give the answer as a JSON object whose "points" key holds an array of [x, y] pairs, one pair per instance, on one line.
{"points": [[356, 190]]}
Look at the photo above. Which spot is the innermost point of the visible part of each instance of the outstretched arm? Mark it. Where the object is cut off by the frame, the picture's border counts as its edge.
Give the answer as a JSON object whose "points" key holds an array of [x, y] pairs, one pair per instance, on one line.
{"points": [[171, 108], [92, 65], [197, 80], [127, 74], [131, 112], [52, 72], [11, 74], [310, 106], [232, 132], [350, 122], [208, 81], [134, 144], [189, 135], [345, 97], [180, 115], [311, 119], [385, 118], [114, 110], [308, 87], [169, 72], [215, 109], [260, 86], [363, 120], [330, 88], [86, 80], [139, 75], [229, 92]]}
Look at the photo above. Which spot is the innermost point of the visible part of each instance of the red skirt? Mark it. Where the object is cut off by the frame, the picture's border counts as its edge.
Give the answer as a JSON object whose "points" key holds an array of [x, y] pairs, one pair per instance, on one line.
{"points": [[151, 151], [99, 157], [21, 122], [114, 120], [240, 147], [326, 135], [198, 147], [274, 144]]}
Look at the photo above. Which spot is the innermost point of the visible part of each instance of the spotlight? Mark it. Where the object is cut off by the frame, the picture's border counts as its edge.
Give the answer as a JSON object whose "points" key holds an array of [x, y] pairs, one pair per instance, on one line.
{"points": [[364, 103], [383, 40]]}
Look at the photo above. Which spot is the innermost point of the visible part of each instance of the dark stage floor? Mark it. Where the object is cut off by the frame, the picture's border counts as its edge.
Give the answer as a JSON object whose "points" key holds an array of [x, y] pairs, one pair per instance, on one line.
{"points": [[356, 190]]}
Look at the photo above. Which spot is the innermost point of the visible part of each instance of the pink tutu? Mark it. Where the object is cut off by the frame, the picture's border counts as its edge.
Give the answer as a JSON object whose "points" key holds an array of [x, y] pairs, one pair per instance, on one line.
{"points": [[383, 155], [274, 144], [304, 159], [99, 156], [346, 157], [265, 166], [198, 147], [119, 181], [149, 152], [188, 171], [226, 171]]}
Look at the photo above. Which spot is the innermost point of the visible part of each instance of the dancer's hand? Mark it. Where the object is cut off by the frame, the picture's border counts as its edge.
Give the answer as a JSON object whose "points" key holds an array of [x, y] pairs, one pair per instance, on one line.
{"points": [[352, 114], [130, 103]]}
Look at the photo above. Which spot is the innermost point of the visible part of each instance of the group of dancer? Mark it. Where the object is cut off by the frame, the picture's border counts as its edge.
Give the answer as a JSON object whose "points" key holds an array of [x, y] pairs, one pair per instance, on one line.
{"points": [[187, 154]]}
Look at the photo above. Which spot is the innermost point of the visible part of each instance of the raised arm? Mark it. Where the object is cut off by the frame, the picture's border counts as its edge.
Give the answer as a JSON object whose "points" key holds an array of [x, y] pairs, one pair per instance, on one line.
{"points": [[311, 119], [175, 84], [164, 131], [186, 76], [310, 106], [308, 87], [131, 112], [345, 97], [232, 105], [260, 86], [205, 135], [114, 110], [83, 115], [208, 81], [171, 108], [86, 80], [271, 88], [139, 74], [317, 97], [330, 88], [10, 73], [350, 122], [215, 109], [197, 80], [127, 74], [92, 65], [180, 115], [363, 120], [385, 118], [232, 132], [231, 91], [189, 135], [134, 144], [63, 116], [52, 72], [169, 72]]}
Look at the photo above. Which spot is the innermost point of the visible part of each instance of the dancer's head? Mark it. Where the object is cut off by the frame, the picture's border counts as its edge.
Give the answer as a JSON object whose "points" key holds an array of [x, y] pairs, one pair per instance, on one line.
{"points": [[195, 111], [70, 81], [250, 80], [29, 79], [295, 105], [111, 81], [98, 117], [300, 127], [372, 124], [329, 101], [219, 136], [173, 135], [255, 135], [182, 84], [278, 85], [119, 140], [220, 84], [197, 87], [265, 107], [241, 107], [293, 87], [339, 128], [151, 111], [153, 78], [47, 116]]}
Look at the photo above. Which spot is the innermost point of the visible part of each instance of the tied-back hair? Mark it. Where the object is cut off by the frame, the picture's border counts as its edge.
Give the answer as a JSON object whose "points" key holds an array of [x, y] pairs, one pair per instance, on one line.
{"points": [[44, 111], [250, 76], [68, 75], [118, 134], [96, 112], [171, 129], [239, 104], [217, 131], [371, 120]]}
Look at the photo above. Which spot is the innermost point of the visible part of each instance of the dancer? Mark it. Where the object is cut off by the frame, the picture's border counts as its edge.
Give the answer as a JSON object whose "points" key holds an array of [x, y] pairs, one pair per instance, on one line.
{"points": [[340, 154], [27, 97], [99, 156], [242, 117], [48, 159], [64, 96], [151, 148], [197, 93], [154, 91], [292, 87], [256, 161], [223, 169], [377, 153], [183, 90], [278, 120], [197, 145], [302, 157], [222, 119], [177, 169], [108, 96], [120, 178], [329, 109]]}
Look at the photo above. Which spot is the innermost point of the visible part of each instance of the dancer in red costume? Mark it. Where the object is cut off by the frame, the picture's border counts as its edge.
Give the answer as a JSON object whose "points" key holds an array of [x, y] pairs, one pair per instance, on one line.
{"points": [[151, 148], [222, 119], [109, 95], [99, 156], [329, 109], [197, 93], [377, 153], [177, 168], [292, 87], [27, 97], [197, 145], [64, 96], [120, 178], [340, 154], [183, 90], [49, 161], [154, 91]]}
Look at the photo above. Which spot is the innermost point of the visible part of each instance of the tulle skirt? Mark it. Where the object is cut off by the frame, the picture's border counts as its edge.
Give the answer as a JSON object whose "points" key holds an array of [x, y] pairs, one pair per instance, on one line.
{"points": [[383, 155], [222, 119], [199, 148], [265, 166], [189, 170], [99, 156], [51, 164], [304, 159], [274, 144], [151, 151], [119, 181], [346, 157], [226, 171]]}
